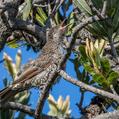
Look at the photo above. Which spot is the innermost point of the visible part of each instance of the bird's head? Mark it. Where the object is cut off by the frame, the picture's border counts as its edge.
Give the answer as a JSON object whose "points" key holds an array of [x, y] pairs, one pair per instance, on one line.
{"points": [[57, 33]]}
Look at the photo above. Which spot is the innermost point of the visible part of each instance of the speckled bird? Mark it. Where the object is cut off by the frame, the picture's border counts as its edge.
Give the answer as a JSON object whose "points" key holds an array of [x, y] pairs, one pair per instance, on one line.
{"points": [[37, 72]]}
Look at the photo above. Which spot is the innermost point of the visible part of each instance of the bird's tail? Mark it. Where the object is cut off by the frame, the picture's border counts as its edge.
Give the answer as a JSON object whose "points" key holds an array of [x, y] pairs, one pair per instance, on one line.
{"points": [[9, 92]]}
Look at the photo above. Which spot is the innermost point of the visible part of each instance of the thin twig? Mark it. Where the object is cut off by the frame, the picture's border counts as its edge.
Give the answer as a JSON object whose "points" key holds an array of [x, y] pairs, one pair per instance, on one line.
{"points": [[80, 104], [36, 5], [100, 15], [88, 87], [29, 27], [113, 49], [28, 110], [94, 9], [113, 90]]}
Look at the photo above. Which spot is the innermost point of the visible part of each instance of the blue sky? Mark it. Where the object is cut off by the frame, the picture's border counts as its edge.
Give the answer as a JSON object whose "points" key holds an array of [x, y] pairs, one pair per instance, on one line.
{"points": [[62, 88]]}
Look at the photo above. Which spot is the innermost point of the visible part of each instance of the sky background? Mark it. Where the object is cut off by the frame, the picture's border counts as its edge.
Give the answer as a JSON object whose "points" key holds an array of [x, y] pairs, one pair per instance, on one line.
{"points": [[62, 88]]}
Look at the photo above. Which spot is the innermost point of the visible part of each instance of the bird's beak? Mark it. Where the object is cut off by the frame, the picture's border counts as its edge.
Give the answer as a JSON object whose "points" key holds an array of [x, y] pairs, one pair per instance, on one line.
{"points": [[65, 28]]}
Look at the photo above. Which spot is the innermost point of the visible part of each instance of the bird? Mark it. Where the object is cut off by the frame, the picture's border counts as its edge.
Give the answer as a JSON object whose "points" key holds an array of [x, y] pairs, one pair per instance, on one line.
{"points": [[37, 72]]}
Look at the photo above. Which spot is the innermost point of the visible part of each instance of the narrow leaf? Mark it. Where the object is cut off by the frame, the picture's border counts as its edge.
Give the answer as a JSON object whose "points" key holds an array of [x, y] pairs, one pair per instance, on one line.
{"points": [[27, 9]]}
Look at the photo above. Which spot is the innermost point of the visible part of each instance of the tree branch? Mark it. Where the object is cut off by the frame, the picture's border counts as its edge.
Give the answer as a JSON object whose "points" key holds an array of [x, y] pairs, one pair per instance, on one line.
{"points": [[109, 115], [80, 104], [18, 106], [88, 87], [31, 28], [24, 109], [94, 9], [76, 30], [43, 96], [9, 9], [28, 110]]}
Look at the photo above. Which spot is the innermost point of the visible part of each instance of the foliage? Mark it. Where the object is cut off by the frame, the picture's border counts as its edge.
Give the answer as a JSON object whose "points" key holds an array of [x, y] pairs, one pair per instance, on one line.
{"points": [[96, 64], [59, 108], [93, 54], [22, 97], [107, 29], [11, 67], [96, 69], [41, 16]]}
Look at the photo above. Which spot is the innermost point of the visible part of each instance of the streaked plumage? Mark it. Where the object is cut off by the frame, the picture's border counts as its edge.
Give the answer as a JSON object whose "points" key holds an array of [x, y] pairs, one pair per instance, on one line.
{"points": [[37, 72]]}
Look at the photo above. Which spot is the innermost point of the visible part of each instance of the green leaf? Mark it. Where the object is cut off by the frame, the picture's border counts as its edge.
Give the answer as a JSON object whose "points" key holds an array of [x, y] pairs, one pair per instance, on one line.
{"points": [[53, 106], [83, 76], [89, 69], [99, 29], [42, 14], [70, 21], [52, 113], [105, 65], [100, 79], [21, 116], [66, 104], [115, 22], [4, 114], [96, 57], [83, 6], [87, 79], [27, 9], [59, 108], [92, 82], [18, 59], [97, 3], [40, 20], [59, 102], [83, 53], [9, 65], [13, 43], [24, 98], [57, 17], [112, 78]]}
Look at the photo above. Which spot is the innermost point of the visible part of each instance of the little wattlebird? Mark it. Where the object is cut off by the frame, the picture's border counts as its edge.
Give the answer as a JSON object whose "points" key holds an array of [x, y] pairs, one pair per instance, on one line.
{"points": [[37, 72]]}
